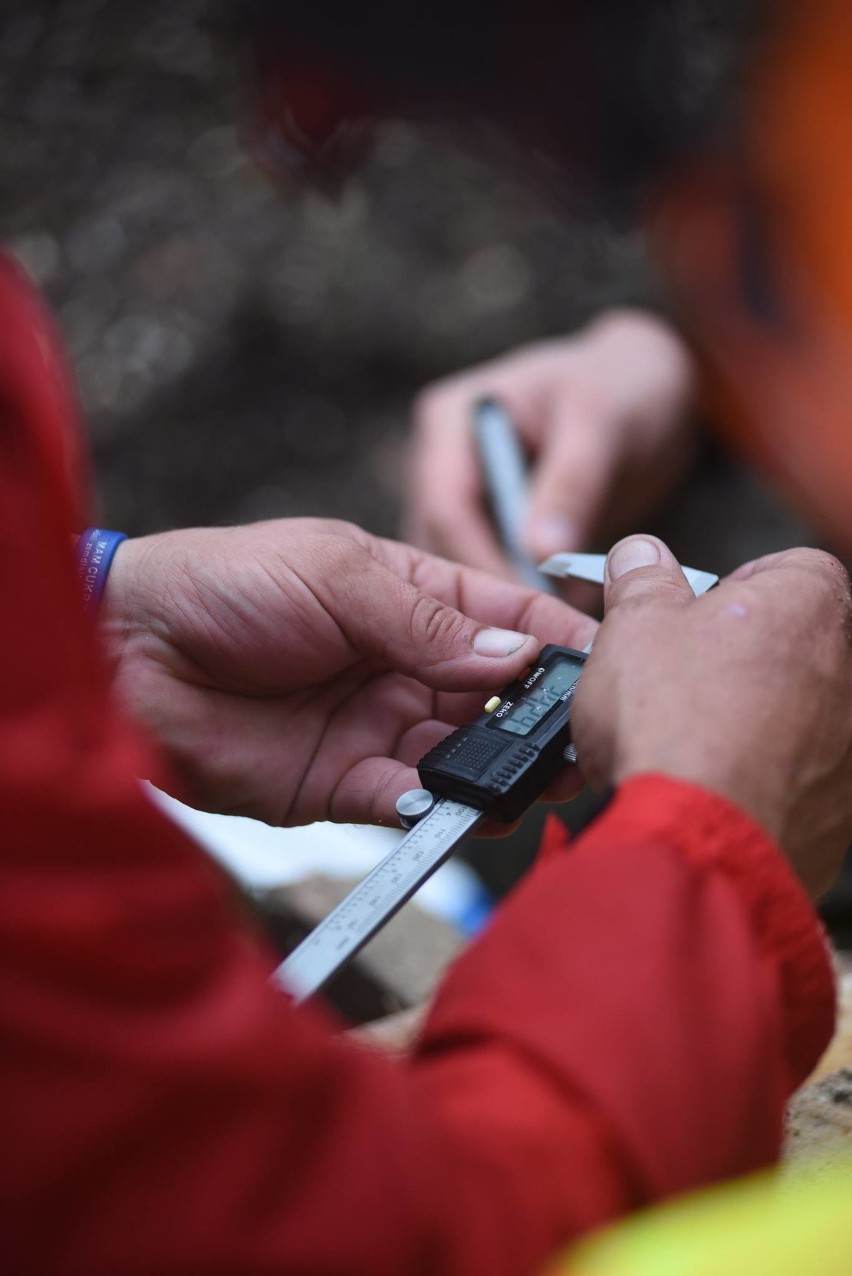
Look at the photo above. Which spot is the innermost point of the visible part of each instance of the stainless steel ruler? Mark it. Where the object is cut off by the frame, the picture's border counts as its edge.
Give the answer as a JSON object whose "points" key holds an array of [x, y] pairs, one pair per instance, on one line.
{"points": [[373, 902]]}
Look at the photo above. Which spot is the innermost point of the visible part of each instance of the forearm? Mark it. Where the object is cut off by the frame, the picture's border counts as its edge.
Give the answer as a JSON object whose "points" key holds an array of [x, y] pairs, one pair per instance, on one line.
{"points": [[667, 979], [617, 1035]]}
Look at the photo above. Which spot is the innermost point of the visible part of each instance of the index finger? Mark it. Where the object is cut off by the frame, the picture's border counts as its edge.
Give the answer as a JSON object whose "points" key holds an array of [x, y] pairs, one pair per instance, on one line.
{"points": [[492, 600]]}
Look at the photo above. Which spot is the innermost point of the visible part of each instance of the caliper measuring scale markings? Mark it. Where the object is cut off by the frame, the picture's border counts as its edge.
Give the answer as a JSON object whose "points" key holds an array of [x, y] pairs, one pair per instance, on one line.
{"points": [[372, 903], [494, 767]]}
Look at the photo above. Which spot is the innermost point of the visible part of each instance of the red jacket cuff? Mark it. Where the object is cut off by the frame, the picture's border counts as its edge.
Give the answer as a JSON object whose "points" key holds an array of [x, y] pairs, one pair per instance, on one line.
{"points": [[714, 833]]}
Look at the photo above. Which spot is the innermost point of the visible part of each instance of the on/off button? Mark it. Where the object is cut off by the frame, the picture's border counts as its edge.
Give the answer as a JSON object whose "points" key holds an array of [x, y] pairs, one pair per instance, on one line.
{"points": [[492, 704]]}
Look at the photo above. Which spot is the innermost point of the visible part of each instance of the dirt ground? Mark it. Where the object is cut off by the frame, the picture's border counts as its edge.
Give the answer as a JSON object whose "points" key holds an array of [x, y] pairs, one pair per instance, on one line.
{"points": [[241, 354]]}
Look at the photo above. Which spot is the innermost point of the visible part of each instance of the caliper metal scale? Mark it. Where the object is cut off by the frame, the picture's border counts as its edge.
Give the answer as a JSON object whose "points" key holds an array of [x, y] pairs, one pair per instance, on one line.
{"points": [[492, 768], [495, 767]]}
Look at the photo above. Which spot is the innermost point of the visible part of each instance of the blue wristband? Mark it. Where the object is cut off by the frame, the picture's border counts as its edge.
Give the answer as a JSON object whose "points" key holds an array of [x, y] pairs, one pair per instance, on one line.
{"points": [[95, 552]]}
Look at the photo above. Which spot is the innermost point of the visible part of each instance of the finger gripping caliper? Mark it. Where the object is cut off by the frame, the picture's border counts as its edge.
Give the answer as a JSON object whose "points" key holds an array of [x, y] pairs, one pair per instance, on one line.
{"points": [[492, 768]]}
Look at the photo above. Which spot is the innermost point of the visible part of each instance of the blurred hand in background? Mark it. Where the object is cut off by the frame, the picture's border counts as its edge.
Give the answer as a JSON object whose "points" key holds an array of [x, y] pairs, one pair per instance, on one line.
{"points": [[604, 417]]}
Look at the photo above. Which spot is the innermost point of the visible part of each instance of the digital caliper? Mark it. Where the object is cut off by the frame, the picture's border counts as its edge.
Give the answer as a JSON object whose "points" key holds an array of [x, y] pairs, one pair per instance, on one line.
{"points": [[492, 768]]}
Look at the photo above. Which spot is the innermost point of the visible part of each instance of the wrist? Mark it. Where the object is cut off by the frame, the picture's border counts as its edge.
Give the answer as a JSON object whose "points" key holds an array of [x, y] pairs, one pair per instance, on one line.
{"points": [[96, 550], [763, 794], [116, 606]]}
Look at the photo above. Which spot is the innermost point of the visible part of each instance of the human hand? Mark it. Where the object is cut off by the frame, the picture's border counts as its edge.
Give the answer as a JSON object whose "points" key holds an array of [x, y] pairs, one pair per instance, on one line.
{"points": [[603, 417], [297, 670], [746, 691]]}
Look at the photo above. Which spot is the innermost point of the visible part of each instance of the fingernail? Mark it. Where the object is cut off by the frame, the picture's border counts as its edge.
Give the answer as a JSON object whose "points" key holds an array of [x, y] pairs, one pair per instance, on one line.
{"points": [[552, 534], [631, 553], [497, 642]]}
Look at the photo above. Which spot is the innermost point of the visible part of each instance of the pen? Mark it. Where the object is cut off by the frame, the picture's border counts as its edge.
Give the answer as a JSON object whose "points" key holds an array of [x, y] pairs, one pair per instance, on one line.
{"points": [[504, 471]]}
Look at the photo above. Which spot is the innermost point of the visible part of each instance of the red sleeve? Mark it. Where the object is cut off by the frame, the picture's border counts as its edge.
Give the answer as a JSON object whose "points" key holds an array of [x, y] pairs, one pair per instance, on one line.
{"points": [[629, 1026]]}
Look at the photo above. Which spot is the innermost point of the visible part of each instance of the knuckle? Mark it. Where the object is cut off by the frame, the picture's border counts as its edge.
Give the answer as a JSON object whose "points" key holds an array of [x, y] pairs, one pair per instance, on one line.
{"points": [[671, 584], [819, 559], [834, 580], [432, 622], [837, 572], [650, 587], [819, 563], [337, 548]]}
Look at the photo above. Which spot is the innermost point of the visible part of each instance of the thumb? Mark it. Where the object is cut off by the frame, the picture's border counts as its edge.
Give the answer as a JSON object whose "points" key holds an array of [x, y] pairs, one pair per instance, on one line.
{"points": [[643, 569]]}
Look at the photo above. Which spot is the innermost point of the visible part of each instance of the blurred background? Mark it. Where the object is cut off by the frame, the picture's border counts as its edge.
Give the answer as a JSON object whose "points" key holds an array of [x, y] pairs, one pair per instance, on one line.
{"points": [[242, 355]]}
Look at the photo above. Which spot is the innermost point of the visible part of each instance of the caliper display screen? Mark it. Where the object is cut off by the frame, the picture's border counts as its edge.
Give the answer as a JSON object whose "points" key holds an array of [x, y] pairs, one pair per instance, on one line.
{"points": [[528, 711]]}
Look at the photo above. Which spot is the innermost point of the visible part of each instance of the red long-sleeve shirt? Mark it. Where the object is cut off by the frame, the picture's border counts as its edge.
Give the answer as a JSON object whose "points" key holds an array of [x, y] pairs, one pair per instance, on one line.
{"points": [[629, 1026]]}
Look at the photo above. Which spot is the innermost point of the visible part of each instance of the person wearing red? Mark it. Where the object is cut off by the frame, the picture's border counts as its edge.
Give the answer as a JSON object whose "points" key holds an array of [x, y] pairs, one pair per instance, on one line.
{"points": [[629, 1026]]}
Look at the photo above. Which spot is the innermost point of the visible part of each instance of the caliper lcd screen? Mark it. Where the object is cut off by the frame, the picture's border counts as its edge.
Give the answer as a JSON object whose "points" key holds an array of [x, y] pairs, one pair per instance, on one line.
{"points": [[527, 712]]}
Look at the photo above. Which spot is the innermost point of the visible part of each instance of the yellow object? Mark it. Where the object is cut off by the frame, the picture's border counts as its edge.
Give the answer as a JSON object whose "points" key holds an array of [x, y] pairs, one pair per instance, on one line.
{"points": [[767, 1226], [492, 704]]}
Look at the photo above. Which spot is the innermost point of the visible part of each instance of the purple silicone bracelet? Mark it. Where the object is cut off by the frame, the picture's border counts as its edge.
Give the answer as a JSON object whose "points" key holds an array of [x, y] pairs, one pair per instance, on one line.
{"points": [[95, 552]]}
